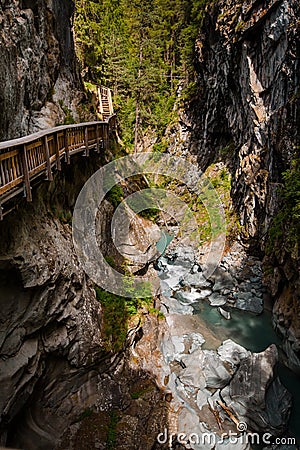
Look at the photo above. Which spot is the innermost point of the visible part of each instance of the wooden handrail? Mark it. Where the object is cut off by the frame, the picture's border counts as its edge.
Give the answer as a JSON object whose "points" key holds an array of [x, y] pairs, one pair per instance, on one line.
{"points": [[25, 158]]}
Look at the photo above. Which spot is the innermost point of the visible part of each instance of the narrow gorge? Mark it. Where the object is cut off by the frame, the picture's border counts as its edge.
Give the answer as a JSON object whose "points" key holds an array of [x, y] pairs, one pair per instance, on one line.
{"points": [[185, 333]]}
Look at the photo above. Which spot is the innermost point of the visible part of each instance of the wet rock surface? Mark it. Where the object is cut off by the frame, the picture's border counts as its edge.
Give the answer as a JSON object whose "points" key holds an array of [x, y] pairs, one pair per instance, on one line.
{"points": [[205, 382], [236, 283], [245, 111]]}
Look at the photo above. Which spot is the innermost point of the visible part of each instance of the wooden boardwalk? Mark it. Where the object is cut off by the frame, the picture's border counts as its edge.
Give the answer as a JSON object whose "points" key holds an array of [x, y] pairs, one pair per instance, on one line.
{"points": [[24, 159]]}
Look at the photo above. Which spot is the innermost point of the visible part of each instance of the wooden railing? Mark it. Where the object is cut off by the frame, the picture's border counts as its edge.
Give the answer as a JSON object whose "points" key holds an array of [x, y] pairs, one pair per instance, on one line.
{"points": [[24, 159]]}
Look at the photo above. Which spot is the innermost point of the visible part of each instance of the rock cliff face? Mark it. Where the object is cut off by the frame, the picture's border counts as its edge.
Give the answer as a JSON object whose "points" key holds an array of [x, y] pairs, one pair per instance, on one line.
{"points": [[55, 367], [39, 77], [246, 111]]}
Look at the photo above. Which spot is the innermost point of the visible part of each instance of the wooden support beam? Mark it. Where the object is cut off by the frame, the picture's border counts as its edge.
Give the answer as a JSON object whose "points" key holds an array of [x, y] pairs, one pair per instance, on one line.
{"points": [[86, 142], [56, 146], [47, 157], [26, 174], [67, 151]]}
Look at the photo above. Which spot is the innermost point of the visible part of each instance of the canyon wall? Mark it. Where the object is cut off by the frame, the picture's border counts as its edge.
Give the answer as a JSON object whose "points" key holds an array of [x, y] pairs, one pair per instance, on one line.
{"points": [[57, 368], [39, 75], [245, 111]]}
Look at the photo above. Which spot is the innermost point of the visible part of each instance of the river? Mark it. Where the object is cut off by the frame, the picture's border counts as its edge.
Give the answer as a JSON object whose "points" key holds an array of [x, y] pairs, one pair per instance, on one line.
{"points": [[253, 332]]}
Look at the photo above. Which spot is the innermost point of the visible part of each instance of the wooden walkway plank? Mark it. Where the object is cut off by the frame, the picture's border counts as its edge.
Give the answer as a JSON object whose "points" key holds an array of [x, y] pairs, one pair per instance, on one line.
{"points": [[27, 157]]}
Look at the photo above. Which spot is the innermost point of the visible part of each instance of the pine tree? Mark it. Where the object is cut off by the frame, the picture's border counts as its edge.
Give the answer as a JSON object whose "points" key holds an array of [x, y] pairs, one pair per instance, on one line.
{"points": [[140, 50]]}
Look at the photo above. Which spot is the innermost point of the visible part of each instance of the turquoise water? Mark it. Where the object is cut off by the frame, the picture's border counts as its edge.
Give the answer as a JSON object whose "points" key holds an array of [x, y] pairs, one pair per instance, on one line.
{"points": [[163, 242], [254, 333]]}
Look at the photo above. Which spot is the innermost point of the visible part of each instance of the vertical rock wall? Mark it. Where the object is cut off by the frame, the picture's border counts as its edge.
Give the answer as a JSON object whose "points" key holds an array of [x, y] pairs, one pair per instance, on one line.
{"points": [[39, 76], [247, 105], [246, 111]]}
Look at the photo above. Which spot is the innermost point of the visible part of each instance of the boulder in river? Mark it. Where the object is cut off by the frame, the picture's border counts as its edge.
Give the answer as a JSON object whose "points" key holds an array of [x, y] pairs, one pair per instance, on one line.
{"points": [[256, 396], [215, 372], [249, 302], [224, 313], [232, 352], [217, 300], [170, 305], [196, 280]]}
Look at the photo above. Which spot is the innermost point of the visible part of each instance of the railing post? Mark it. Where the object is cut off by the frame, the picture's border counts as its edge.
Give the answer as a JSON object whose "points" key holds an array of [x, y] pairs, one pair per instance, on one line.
{"points": [[97, 139], [47, 156], [26, 174], [86, 142], [56, 146], [111, 109], [67, 153], [100, 102]]}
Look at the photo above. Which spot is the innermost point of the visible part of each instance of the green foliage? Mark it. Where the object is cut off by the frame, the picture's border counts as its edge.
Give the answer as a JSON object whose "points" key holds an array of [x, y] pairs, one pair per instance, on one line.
{"points": [[204, 207], [64, 215], [115, 195], [141, 50], [115, 318], [69, 119], [227, 151], [150, 214], [112, 430], [286, 225], [140, 393], [117, 311], [156, 312], [240, 26], [161, 146], [110, 260]]}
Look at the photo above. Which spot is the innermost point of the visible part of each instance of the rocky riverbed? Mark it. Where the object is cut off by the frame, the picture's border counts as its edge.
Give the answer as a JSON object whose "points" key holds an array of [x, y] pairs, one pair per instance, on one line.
{"points": [[216, 387]]}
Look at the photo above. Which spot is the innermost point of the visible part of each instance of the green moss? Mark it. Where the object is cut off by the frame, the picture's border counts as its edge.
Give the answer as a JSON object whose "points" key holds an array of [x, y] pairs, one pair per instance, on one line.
{"points": [[69, 119], [156, 312], [138, 394], [112, 430], [115, 319], [161, 146], [85, 414], [116, 312], [115, 195], [64, 215], [110, 260], [227, 151]]}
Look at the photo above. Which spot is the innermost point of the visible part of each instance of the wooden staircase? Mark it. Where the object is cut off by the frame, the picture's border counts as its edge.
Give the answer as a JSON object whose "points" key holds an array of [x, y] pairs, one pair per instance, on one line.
{"points": [[105, 103]]}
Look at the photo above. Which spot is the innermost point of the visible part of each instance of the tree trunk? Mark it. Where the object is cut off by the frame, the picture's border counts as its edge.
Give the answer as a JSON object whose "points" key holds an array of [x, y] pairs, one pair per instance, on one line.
{"points": [[137, 108]]}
